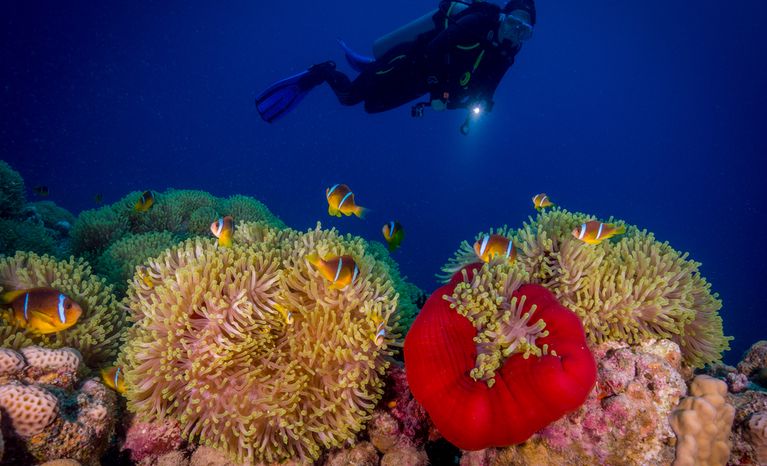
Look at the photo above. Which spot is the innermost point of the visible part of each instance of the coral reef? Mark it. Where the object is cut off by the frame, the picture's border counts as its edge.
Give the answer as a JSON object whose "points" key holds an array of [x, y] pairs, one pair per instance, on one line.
{"points": [[252, 351], [754, 363], [119, 261], [98, 333], [630, 289], [757, 429], [146, 441], [492, 362], [702, 423], [52, 415], [624, 420], [50, 215], [183, 213], [12, 191]]}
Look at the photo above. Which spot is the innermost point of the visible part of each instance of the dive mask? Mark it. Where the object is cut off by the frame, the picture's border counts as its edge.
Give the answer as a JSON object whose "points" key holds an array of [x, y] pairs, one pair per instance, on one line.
{"points": [[515, 27]]}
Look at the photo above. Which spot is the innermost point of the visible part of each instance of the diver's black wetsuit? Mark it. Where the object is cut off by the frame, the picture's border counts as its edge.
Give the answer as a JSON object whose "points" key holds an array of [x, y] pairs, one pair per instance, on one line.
{"points": [[458, 62]]}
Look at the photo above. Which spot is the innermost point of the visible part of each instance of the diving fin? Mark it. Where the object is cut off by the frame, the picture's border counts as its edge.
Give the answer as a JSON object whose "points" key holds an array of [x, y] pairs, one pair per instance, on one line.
{"points": [[284, 95], [357, 61]]}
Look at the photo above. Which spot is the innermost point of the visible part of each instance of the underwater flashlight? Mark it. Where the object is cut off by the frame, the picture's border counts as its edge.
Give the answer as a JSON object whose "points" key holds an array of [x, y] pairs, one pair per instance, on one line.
{"points": [[477, 110]]}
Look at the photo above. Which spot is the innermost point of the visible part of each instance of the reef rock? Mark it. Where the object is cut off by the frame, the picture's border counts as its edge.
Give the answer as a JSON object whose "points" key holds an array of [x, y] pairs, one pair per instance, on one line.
{"points": [[51, 414], [625, 419]]}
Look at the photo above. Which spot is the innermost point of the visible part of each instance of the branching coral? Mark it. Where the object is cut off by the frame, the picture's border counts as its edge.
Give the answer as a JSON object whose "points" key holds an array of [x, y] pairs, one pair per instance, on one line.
{"points": [[12, 195], [251, 350], [118, 263], [631, 290], [98, 333]]}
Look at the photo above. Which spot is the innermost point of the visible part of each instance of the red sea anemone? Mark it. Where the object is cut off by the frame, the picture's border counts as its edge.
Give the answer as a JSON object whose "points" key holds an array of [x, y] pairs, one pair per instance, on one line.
{"points": [[493, 362]]}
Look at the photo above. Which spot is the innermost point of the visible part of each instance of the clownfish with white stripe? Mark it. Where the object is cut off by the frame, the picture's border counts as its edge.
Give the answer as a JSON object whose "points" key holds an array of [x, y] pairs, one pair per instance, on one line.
{"points": [[541, 201], [223, 229], [41, 310], [490, 247], [145, 202], [114, 378], [341, 201], [341, 271], [393, 234], [593, 232]]}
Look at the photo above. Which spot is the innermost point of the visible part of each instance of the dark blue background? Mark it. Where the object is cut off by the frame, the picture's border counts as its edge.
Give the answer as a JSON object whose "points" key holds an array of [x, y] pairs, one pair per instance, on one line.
{"points": [[651, 111]]}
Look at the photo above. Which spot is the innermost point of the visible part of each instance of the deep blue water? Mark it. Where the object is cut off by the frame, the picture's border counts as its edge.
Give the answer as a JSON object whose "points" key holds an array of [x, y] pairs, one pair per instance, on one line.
{"points": [[650, 111]]}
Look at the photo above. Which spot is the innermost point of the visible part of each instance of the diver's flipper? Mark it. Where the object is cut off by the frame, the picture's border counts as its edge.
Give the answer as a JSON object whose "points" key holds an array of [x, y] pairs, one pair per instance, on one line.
{"points": [[357, 61], [284, 95], [281, 97]]}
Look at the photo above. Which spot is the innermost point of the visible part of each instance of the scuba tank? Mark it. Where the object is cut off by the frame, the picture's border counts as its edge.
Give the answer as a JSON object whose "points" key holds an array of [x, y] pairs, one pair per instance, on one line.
{"points": [[410, 31]]}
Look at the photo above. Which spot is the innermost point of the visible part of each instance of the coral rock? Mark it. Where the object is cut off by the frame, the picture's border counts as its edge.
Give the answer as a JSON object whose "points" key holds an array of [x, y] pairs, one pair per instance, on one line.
{"points": [[754, 360], [383, 431], [702, 423], [405, 454], [11, 363], [51, 366], [757, 428], [31, 409], [361, 454], [145, 440]]}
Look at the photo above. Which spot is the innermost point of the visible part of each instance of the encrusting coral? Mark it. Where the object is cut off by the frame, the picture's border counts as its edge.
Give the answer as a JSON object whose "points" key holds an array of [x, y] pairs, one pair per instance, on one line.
{"points": [[702, 423], [98, 333], [51, 414], [119, 261], [631, 289], [251, 350], [182, 212]]}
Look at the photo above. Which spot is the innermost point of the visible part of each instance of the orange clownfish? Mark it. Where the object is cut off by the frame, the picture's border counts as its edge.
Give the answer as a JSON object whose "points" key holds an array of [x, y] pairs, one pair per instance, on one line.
{"points": [[393, 234], [341, 271], [341, 201], [42, 310], [145, 202], [380, 334], [541, 201], [223, 229], [492, 246], [593, 232], [114, 378]]}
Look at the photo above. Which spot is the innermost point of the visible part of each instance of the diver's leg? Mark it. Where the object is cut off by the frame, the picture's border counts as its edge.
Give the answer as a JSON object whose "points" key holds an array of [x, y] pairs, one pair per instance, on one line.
{"points": [[347, 91]]}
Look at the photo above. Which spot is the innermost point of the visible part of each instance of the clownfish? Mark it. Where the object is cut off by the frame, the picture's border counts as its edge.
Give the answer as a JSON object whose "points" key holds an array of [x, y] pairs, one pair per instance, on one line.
{"points": [[393, 234], [114, 378], [378, 337], [223, 229], [341, 271], [145, 202], [593, 232], [41, 190], [541, 201], [42, 310], [492, 246], [143, 274], [286, 314], [98, 198], [341, 201]]}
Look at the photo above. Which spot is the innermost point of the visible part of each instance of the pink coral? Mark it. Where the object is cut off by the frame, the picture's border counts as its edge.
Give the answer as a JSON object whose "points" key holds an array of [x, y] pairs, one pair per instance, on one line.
{"points": [[412, 418], [624, 420], [147, 440]]}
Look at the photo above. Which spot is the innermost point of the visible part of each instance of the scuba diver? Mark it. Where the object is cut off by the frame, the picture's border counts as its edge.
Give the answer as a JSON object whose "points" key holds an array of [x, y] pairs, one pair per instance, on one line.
{"points": [[457, 54]]}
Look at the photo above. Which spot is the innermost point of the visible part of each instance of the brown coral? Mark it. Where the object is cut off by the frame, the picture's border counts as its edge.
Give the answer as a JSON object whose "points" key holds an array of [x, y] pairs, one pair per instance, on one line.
{"points": [[702, 423], [252, 351]]}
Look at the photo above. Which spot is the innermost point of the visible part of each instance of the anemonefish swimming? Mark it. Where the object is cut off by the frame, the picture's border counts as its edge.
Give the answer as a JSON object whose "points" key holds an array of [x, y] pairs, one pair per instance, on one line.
{"points": [[340, 271], [393, 234], [341, 201], [223, 229], [41, 191], [41, 310], [593, 232], [143, 274], [114, 378], [145, 202], [98, 198], [286, 314], [492, 246], [541, 201]]}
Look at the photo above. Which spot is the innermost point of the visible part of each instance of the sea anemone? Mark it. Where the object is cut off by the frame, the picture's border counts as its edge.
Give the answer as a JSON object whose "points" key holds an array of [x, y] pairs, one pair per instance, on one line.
{"points": [[494, 361], [98, 333], [12, 195], [630, 289], [16, 235], [252, 351]]}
